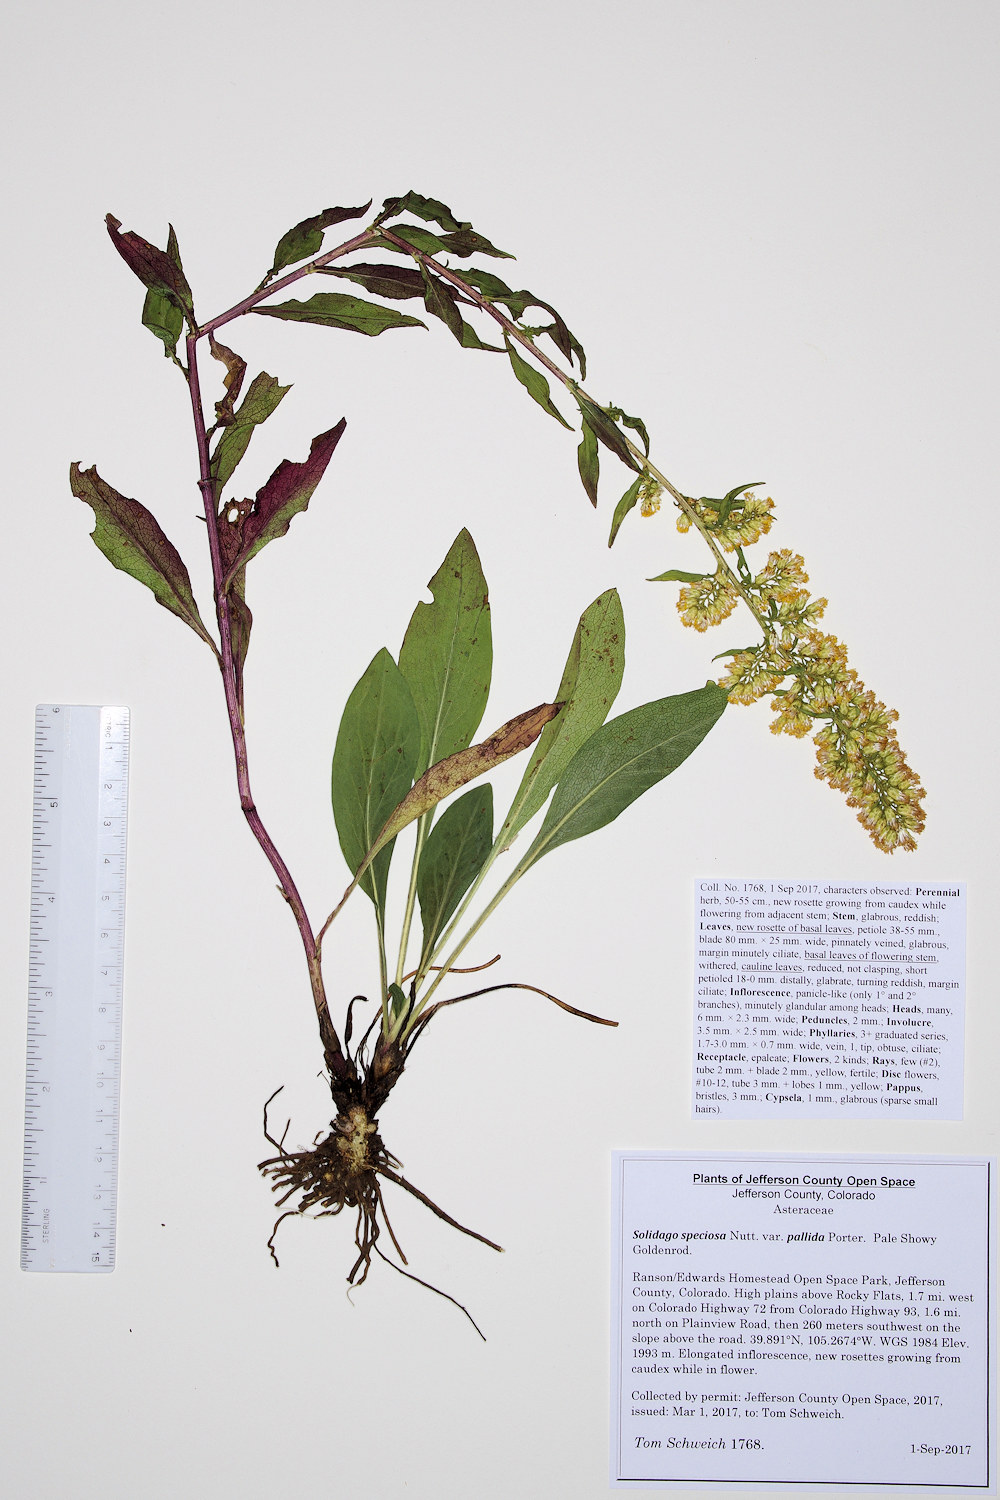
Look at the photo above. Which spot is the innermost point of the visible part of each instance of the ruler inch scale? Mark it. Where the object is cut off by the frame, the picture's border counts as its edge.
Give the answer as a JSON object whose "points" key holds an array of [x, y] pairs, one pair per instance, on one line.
{"points": [[75, 988]]}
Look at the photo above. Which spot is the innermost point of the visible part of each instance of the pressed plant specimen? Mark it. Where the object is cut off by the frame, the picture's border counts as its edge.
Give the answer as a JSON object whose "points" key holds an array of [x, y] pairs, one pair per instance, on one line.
{"points": [[407, 739]]}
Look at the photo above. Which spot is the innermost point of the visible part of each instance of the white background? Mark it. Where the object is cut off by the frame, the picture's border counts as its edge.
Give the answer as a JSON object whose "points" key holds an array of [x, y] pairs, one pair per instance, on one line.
{"points": [[774, 227]]}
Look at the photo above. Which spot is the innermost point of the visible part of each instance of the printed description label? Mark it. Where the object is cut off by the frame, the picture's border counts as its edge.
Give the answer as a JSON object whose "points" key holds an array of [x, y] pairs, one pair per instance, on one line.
{"points": [[800, 1319], [821, 999]]}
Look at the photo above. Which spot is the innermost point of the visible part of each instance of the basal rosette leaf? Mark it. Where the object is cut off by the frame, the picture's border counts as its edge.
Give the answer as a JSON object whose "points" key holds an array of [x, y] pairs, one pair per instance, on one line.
{"points": [[131, 538], [340, 310], [622, 760], [373, 764], [450, 775], [590, 682], [447, 654], [452, 857]]}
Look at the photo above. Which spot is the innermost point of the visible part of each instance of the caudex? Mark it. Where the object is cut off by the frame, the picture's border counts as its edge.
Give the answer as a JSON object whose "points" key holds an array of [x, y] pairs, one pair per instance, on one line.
{"points": [[407, 736]]}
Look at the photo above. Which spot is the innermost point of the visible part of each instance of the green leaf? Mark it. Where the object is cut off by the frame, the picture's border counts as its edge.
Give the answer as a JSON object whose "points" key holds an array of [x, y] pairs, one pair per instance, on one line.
{"points": [[450, 775], [158, 271], [447, 654], [636, 424], [398, 1003], [430, 209], [395, 282], [534, 383], [162, 313], [625, 504], [622, 760], [452, 857], [589, 461], [462, 242], [257, 405], [675, 575], [607, 432], [339, 310], [416, 238], [589, 686], [131, 538], [245, 528], [306, 238], [373, 763], [439, 299]]}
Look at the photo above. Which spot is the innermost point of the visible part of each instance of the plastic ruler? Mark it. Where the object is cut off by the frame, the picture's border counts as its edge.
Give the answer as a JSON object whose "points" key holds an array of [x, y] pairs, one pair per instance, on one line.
{"points": [[72, 1089]]}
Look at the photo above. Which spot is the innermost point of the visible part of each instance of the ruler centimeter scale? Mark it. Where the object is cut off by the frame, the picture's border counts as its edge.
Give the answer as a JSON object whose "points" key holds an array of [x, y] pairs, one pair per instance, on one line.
{"points": [[72, 1089]]}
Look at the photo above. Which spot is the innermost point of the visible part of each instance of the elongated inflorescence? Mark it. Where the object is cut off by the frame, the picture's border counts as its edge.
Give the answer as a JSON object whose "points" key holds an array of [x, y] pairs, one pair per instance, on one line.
{"points": [[816, 691]]}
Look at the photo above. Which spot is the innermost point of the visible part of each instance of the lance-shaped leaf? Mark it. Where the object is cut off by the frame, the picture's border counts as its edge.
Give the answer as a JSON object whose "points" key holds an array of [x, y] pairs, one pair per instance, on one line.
{"points": [[534, 383], [156, 269], [131, 538], [606, 430], [430, 209], [394, 282], [451, 775], [625, 504], [676, 575], [451, 859], [447, 654], [373, 762], [622, 760], [462, 242], [256, 406], [244, 530], [339, 310], [590, 682], [439, 299], [161, 312], [588, 461], [306, 238]]}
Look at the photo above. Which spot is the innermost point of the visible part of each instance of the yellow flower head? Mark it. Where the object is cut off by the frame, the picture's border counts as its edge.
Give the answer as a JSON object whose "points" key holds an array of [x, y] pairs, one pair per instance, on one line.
{"points": [[708, 601]]}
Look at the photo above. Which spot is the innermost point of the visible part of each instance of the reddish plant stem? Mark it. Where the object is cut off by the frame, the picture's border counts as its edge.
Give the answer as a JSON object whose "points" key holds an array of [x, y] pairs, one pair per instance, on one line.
{"points": [[335, 1058], [249, 303]]}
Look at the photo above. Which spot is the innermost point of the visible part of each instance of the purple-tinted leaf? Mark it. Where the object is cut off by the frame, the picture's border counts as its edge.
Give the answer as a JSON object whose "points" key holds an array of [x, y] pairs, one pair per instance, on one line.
{"points": [[236, 369], [246, 527], [306, 238], [161, 313], [155, 269], [383, 281], [605, 429], [131, 538], [240, 623], [439, 300]]}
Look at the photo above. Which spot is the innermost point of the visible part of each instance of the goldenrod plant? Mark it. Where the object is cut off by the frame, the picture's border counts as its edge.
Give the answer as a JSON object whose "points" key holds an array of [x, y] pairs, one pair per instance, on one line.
{"points": [[407, 739]]}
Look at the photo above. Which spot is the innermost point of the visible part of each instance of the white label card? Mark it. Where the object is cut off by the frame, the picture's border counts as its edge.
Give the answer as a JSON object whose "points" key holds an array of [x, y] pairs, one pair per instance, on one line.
{"points": [[800, 1320], [821, 999]]}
